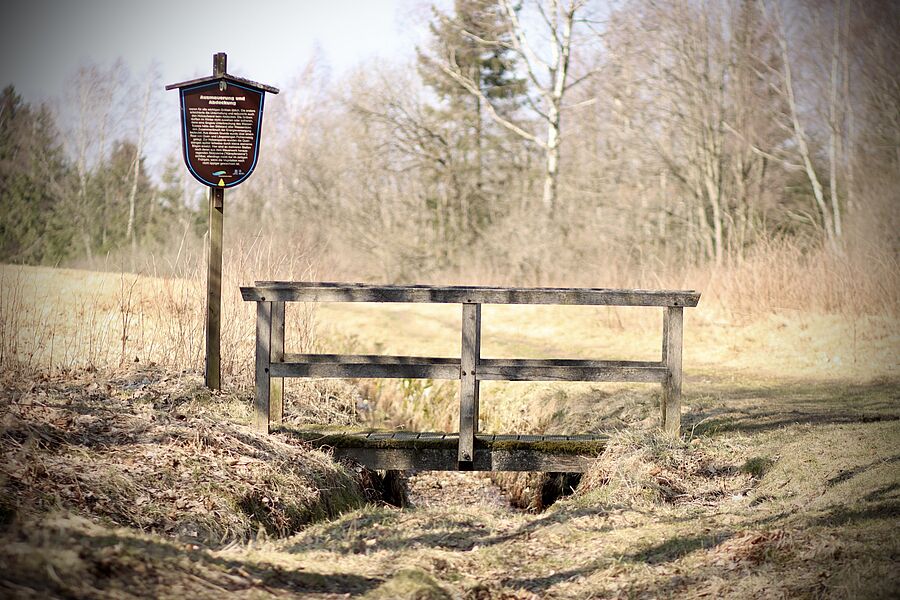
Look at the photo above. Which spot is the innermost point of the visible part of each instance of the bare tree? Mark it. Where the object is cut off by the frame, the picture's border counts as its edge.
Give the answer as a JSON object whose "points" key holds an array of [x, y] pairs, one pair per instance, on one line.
{"points": [[694, 98], [95, 123], [151, 83], [550, 78], [801, 137]]}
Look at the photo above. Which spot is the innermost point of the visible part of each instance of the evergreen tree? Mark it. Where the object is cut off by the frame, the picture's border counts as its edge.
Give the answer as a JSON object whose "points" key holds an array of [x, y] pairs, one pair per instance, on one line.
{"points": [[473, 143], [33, 181], [108, 190], [174, 215]]}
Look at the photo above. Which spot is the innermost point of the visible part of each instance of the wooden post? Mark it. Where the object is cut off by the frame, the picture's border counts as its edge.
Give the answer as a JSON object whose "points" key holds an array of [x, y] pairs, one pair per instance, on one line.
{"points": [[671, 398], [276, 354], [214, 269], [468, 384], [263, 361], [214, 291], [661, 400]]}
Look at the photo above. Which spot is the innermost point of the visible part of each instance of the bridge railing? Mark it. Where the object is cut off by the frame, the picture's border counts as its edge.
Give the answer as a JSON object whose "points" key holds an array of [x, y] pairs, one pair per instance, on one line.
{"points": [[273, 364]]}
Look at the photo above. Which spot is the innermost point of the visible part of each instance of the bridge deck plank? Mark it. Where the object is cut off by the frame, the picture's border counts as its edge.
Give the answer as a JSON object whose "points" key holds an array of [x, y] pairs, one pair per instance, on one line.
{"points": [[402, 450]]}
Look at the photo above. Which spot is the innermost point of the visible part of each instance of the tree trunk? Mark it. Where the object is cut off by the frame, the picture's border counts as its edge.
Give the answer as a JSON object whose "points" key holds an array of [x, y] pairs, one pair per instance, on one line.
{"points": [[848, 106], [834, 138], [718, 239], [132, 197], [551, 174], [800, 139]]}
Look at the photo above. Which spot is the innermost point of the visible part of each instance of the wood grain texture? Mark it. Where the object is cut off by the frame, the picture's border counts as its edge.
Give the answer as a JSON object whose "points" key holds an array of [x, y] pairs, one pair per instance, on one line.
{"points": [[671, 404], [213, 370], [403, 459], [359, 292], [263, 348], [469, 387], [370, 359], [327, 370], [276, 354], [487, 371]]}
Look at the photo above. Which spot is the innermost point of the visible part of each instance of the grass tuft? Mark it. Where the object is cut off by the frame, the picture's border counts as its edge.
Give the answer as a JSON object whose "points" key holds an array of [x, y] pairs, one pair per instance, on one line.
{"points": [[409, 584], [757, 466], [640, 469]]}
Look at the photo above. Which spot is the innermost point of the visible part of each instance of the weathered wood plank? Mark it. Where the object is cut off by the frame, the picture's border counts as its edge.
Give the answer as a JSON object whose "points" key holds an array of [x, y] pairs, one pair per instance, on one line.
{"points": [[469, 385], [370, 359], [446, 460], [671, 404], [493, 372], [660, 401], [567, 362], [665, 336], [263, 348], [370, 366], [362, 371], [214, 290], [357, 292], [276, 354]]}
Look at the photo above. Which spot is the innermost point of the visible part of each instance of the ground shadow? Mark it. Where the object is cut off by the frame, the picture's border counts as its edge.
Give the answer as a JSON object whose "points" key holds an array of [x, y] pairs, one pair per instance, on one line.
{"points": [[720, 408], [146, 564]]}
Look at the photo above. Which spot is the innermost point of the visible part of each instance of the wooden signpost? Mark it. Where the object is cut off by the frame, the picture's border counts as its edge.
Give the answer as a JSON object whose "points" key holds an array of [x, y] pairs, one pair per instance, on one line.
{"points": [[221, 121]]}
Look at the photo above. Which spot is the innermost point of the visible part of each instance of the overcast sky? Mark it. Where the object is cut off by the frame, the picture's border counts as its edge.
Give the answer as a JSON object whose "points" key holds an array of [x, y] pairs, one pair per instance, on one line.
{"points": [[42, 42]]}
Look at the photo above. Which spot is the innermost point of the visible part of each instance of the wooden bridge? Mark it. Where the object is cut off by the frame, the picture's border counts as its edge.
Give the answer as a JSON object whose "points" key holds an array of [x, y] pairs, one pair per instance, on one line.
{"points": [[467, 449]]}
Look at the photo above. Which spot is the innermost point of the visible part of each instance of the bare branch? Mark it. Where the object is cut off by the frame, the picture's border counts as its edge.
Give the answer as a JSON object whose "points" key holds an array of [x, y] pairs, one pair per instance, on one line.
{"points": [[520, 42], [473, 89]]}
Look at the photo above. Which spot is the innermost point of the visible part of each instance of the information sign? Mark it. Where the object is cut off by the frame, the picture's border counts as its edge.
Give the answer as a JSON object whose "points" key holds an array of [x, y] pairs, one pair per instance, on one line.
{"points": [[221, 123]]}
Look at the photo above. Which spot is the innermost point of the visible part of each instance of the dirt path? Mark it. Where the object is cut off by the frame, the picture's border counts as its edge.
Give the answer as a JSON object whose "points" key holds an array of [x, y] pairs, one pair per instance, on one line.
{"points": [[455, 489]]}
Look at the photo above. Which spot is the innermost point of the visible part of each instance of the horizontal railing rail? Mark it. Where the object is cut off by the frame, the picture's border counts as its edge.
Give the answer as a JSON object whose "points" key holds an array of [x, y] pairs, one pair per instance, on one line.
{"points": [[286, 291], [273, 364]]}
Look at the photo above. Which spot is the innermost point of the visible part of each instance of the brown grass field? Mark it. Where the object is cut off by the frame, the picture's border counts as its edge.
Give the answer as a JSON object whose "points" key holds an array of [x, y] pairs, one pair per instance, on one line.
{"points": [[123, 477]]}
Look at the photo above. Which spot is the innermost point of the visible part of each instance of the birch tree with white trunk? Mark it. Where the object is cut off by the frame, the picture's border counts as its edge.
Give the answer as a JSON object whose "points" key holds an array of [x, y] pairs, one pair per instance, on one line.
{"points": [[801, 138], [150, 84], [547, 71]]}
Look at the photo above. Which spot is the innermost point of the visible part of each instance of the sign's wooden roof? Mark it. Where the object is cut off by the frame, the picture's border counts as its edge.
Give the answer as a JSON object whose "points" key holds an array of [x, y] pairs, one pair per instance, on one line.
{"points": [[239, 80]]}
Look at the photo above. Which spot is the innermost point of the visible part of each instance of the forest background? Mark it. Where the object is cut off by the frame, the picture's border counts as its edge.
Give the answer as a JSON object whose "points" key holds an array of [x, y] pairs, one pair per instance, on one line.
{"points": [[750, 149]]}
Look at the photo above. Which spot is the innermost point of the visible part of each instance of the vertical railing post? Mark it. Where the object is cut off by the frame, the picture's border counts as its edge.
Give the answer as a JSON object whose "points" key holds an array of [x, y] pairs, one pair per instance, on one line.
{"points": [[276, 354], [673, 326], [661, 400], [263, 362], [468, 384]]}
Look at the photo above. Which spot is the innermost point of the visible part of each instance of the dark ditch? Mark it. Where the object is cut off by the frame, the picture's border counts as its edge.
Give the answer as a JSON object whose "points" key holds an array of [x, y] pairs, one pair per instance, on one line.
{"points": [[522, 491]]}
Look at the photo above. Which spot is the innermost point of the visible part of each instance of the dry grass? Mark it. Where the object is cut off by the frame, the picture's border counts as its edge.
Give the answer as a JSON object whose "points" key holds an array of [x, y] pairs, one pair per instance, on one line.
{"points": [[784, 486], [783, 491], [159, 454], [56, 320], [645, 469]]}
